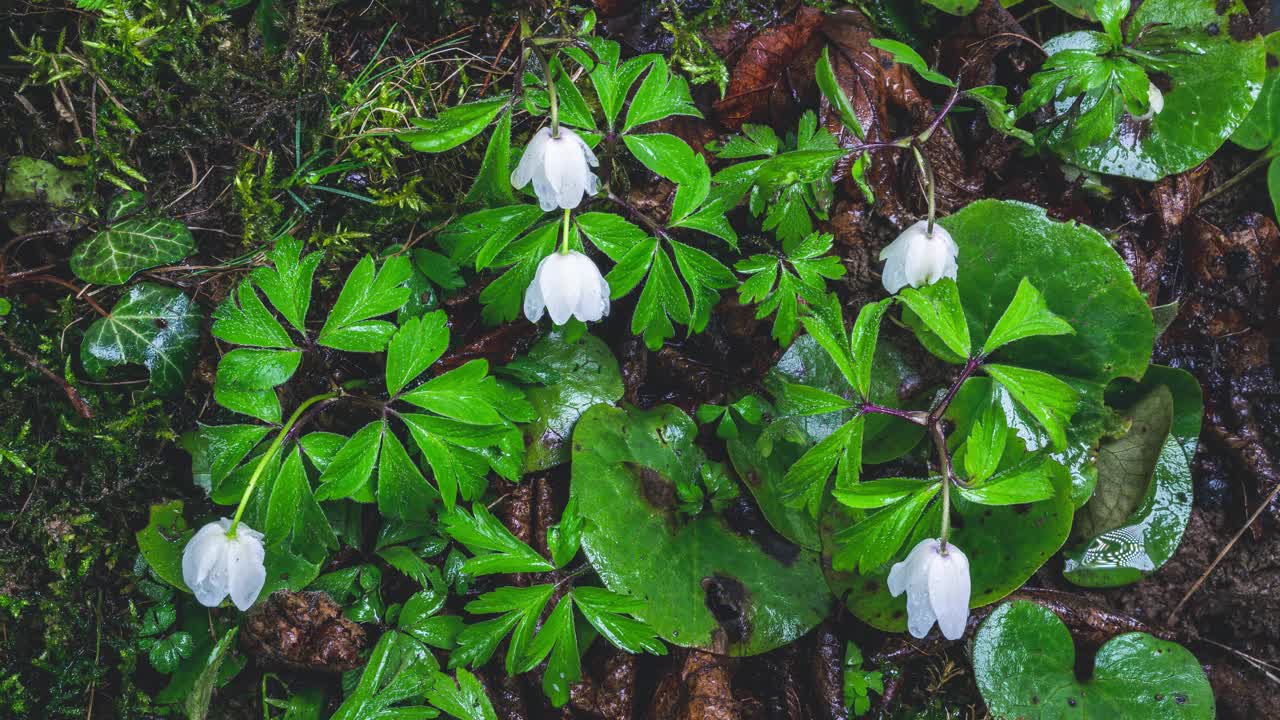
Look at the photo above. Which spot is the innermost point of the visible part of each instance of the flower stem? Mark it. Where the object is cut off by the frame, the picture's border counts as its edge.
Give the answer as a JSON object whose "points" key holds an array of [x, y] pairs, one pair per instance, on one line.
{"points": [[270, 453], [945, 533], [564, 234], [926, 172], [551, 94]]}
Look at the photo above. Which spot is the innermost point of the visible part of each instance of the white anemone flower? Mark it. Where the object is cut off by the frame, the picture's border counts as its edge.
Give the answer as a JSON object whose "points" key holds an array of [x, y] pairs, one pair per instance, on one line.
{"points": [[567, 285], [215, 565], [558, 168], [917, 257], [1155, 102], [937, 587]]}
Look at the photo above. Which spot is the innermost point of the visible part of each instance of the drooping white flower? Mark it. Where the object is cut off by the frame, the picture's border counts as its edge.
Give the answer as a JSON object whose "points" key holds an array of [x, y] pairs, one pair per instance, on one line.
{"points": [[567, 285], [559, 168], [1155, 102], [917, 257], [215, 565], [937, 587]]}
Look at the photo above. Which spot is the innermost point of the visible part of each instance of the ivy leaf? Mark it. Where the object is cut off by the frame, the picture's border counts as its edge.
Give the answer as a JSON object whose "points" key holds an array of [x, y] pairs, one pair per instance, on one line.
{"points": [[875, 540], [247, 378], [662, 94], [938, 307], [1027, 316], [348, 475], [416, 345], [673, 159], [465, 701], [609, 613], [1048, 399], [244, 320], [452, 127], [152, 325], [165, 654], [496, 550], [114, 255], [364, 296], [288, 283], [905, 55]]}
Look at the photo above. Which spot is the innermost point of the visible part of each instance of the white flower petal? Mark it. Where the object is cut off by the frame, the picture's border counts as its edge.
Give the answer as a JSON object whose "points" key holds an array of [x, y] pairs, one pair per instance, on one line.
{"points": [[531, 160], [948, 590], [920, 616], [588, 308], [560, 288], [918, 258], [246, 568], [914, 564], [214, 565]]}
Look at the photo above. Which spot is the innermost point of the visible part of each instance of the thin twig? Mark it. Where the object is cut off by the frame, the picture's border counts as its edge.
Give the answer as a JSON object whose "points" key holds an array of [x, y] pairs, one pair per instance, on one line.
{"points": [[81, 407], [1222, 554]]}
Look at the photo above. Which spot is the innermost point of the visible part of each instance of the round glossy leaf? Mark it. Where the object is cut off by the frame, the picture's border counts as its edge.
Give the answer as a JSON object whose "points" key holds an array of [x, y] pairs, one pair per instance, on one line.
{"points": [[1082, 280], [716, 580], [1024, 663], [1005, 546], [1136, 519], [1207, 95], [163, 540], [571, 377]]}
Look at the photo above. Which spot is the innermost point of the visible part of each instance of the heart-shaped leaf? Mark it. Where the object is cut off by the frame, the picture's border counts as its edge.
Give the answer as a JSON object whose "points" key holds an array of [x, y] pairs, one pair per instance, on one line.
{"points": [[1136, 518], [154, 326], [569, 378], [1025, 666], [114, 255], [718, 580]]}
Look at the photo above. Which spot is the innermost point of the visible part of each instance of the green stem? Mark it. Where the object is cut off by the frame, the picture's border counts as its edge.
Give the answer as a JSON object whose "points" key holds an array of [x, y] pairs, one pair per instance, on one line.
{"points": [[1236, 179], [270, 453], [926, 172], [564, 234], [946, 516], [551, 93]]}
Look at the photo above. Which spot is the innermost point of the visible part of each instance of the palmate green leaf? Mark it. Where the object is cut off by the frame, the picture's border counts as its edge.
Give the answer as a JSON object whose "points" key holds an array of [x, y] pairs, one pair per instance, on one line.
{"points": [[457, 470], [1027, 316], [662, 94], [520, 608], [613, 80], [1001, 116], [662, 300], [247, 378], [399, 668], [419, 619], [349, 475], [1024, 662], [112, 256], [706, 277], [611, 614], [875, 494], [496, 550], [469, 394], [984, 445], [673, 159], [565, 537], [403, 493], [1049, 399], [611, 233], [1028, 482], [905, 55], [165, 653], [366, 295], [862, 344], [294, 518], [938, 307], [503, 298], [711, 219], [219, 450], [483, 234], [805, 482], [288, 283], [465, 701], [871, 543], [756, 141], [243, 319], [564, 666], [492, 185], [452, 127], [152, 325], [417, 344]]}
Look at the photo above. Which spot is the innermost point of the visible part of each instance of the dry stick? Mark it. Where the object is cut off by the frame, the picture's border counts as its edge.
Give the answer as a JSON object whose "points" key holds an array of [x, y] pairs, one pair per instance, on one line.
{"points": [[77, 402], [1234, 180], [78, 291], [1230, 544]]}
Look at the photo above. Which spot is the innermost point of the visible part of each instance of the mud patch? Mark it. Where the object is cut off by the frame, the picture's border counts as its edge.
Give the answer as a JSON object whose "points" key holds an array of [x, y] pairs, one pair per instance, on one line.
{"points": [[730, 604]]}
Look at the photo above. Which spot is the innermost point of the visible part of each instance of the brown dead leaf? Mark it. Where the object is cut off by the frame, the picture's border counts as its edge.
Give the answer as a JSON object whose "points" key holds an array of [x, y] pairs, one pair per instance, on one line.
{"points": [[302, 630], [762, 69]]}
